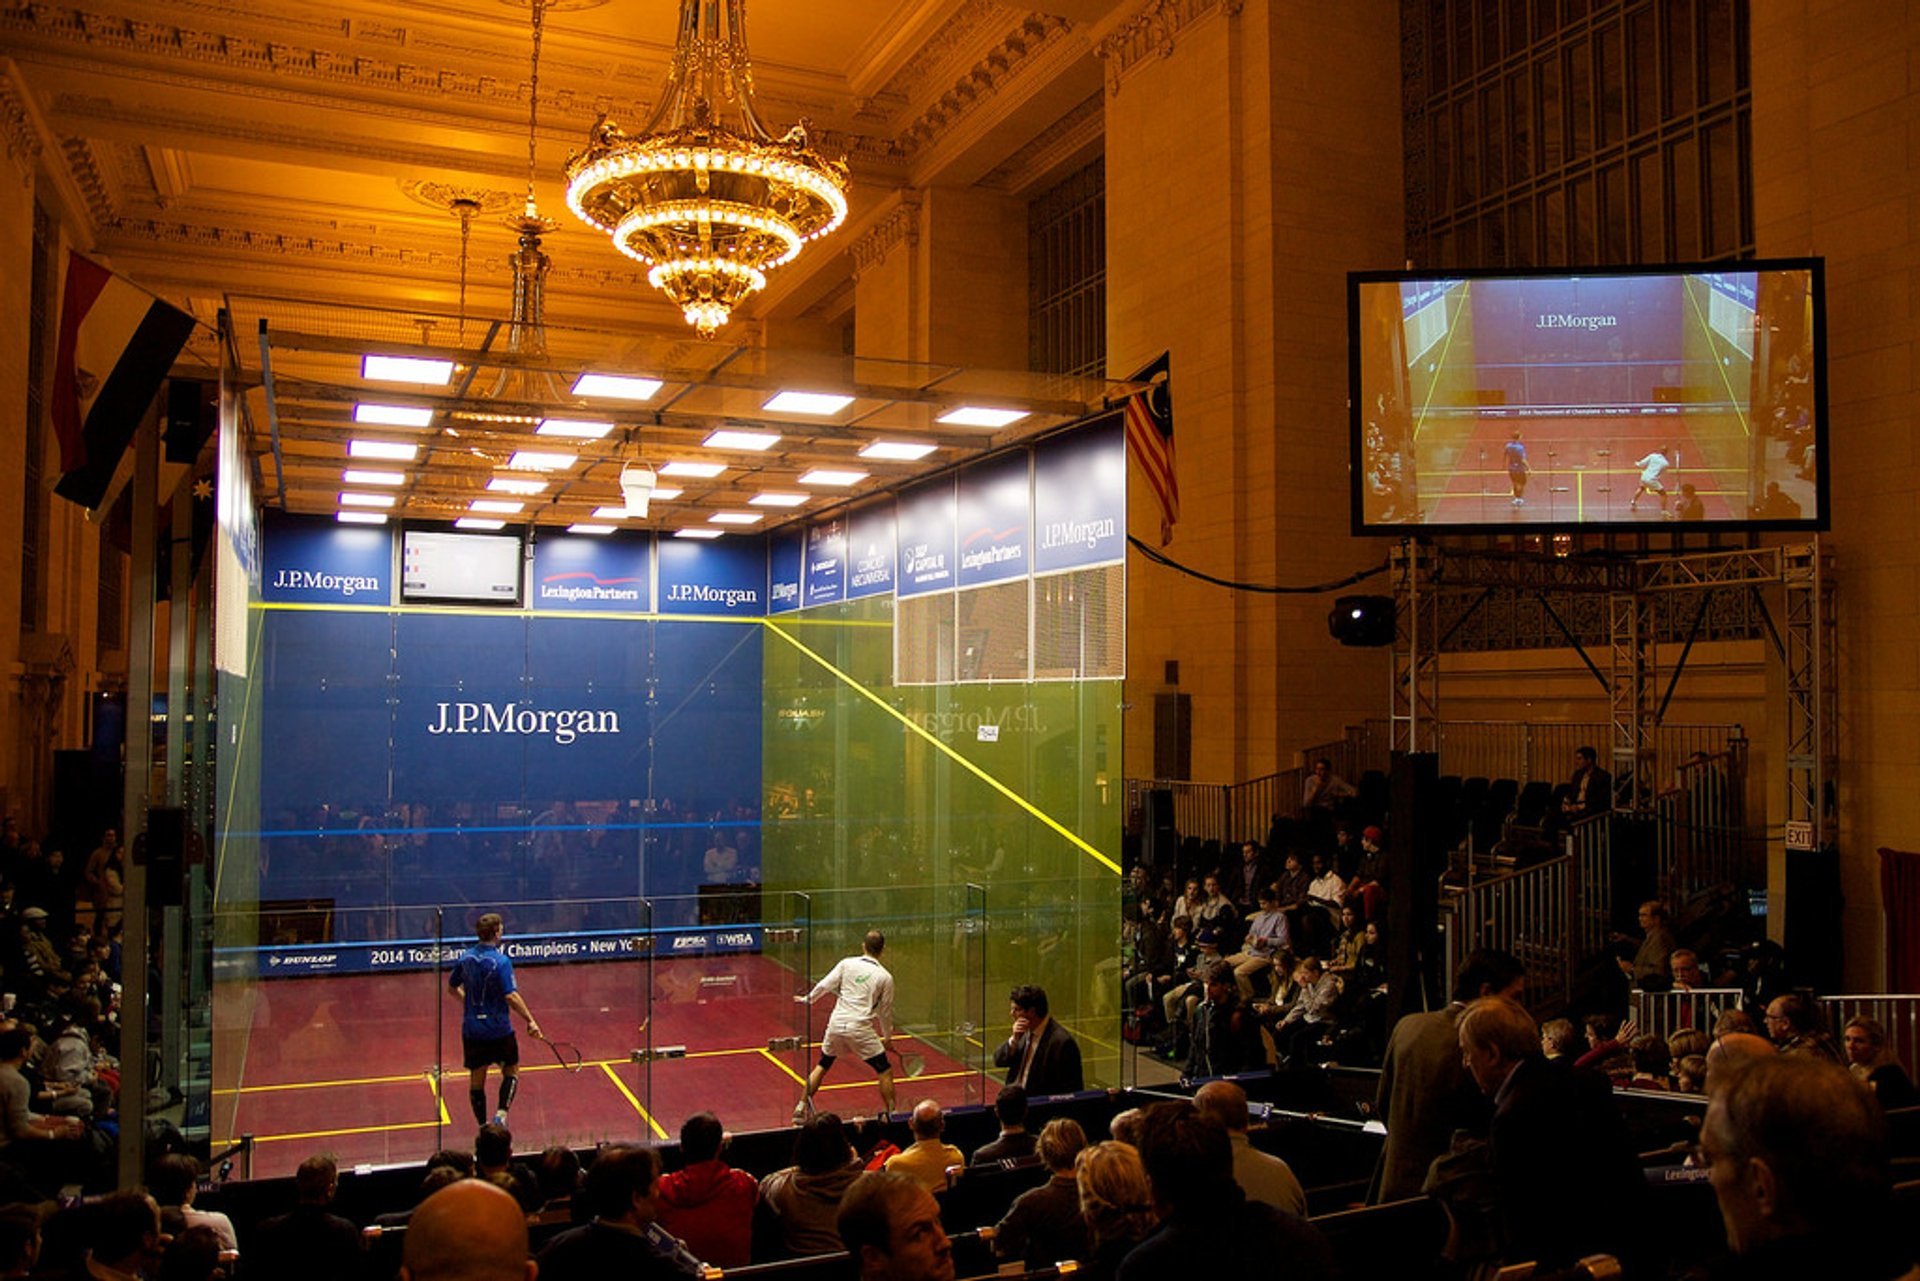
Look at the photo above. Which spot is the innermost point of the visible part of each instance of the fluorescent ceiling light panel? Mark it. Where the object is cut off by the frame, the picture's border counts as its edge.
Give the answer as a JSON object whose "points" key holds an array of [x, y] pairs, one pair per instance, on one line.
{"points": [[777, 500], [393, 415], [496, 506], [832, 476], [537, 460], [610, 513], [354, 476], [898, 451], [615, 387], [406, 369], [366, 500], [699, 533], [737, 518], [391, 451], [807, 402], [581, 527], [700, 471], [979, 416], [361, 518], [574, 428], [736, 438], [515, 485], [475, 522]]}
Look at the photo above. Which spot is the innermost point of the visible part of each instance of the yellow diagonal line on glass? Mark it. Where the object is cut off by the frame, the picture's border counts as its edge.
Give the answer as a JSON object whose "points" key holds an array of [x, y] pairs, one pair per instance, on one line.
{"points": [[645, 1115], [947, 751]]}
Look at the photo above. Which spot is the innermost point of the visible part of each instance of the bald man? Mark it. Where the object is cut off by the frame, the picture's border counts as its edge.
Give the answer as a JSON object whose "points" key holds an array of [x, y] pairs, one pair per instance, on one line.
{"points": [[471, 1231], [1734, 1048]]}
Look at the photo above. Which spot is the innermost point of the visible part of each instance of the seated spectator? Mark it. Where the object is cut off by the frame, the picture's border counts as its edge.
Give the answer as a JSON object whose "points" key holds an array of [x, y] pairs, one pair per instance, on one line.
{"points": [[1872, 1060], [1294, 884], [891, 1227], [44, 1149], [1126, 1126], [1182, 954], [1310, 1017], [558, 1176], [1115, 1202], [804, 1198], [1013, 1143], [309, 1243], [1607, 1040], [1208, 1228], [1729, 1052], [1326, 889], [1797, 1156], [67, 1068], [1734, 1020], [192, 1254], [1150, 951], [173, 1180], [1798, 1030], [19, 1241], [1557, 1040], [436, 1177], [1216, 911], [1690, 1075], [1188, 904], [708, 1204], [1348, 942], [1687, 1041], [928, 1157], [126, 1238], [625, 1238], [1250, 876], [467, 1231], [1323, 788], [1684, 966], [1225, 1036], [1265, 939], [1651, 1063], [1264, 1178], [1044, 1226], [493, 1159]]}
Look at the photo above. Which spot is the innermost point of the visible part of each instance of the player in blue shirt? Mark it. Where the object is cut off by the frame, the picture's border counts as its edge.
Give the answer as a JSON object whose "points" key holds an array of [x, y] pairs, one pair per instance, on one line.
{"points": [[1518, 469], [482, 981]]}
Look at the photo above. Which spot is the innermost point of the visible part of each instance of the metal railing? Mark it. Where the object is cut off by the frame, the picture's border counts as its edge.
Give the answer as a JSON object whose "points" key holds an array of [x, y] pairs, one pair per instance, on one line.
{"points": [[1590, 844], [1528, 913], [1664, 1013]]}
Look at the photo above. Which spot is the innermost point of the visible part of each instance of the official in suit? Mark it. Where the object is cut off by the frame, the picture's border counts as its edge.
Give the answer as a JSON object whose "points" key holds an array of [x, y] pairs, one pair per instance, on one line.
{"points": [[1040, 1056]]}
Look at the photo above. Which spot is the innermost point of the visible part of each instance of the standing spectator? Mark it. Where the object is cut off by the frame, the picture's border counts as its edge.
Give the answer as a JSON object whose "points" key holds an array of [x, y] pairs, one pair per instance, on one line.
{"points": [[1589, 791], [468, 1231], [708, 1204], [93, 875], [1797, 1155], [1044, 1224], [1649, 962], [625, 1238], [1870, 1059], [1798, 1030], [1208, 1228], [1266, 1179], [1425, 1093], [1115, 1201], [805, 1197], [1040, 1056], [891, 1227], [309, 1242], [928, 1157], [1013, 1143]]}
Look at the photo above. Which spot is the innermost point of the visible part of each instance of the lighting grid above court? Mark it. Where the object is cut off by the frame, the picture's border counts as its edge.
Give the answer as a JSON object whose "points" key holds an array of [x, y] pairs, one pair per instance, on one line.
{"points": [[740, 436]]}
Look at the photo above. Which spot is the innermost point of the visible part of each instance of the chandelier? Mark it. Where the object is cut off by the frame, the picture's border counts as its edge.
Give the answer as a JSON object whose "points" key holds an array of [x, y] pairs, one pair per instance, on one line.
{"points": [[706, 196]]}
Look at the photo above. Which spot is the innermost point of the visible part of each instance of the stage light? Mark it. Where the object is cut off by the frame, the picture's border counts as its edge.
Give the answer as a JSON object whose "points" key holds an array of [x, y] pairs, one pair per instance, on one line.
{"points": [[1365, 621]]}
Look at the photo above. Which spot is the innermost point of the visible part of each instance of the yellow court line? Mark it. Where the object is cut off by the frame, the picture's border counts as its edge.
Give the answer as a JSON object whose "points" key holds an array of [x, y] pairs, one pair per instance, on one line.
{"points": [[949, 752], [782, 1066], [927, 1076], [1466, 287], [319, 1085], [621, 1086], [439, 1099], [334, 1134]]}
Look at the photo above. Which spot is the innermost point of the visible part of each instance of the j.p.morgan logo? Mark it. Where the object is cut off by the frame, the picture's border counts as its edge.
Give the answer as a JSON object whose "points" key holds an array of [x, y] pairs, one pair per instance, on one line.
{"points": [[563, 725], [707, 594], [319, 580], [1567, 320], [1076, 533]]}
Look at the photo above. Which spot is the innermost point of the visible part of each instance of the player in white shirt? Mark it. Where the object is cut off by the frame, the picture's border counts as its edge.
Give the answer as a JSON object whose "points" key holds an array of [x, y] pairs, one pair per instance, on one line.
{"points": [[1651, 468], [861, 1022]]}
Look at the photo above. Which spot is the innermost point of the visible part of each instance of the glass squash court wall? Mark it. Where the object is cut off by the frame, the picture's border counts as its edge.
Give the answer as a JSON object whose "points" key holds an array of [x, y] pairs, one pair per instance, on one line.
{"points": [[355, 846]]}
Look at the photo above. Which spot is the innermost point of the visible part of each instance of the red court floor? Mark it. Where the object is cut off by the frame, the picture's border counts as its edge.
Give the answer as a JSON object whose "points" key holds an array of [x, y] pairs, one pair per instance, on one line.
{"points": [[345, 1064]]}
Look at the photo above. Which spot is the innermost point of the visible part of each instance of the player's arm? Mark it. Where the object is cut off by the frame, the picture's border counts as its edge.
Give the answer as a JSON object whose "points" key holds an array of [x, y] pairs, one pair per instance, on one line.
{"points": [[831, 983], [518, 1005]]}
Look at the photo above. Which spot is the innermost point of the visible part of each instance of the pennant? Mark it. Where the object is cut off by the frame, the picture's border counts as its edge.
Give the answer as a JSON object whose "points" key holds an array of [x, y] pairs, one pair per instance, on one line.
{"points": [[1150, 439], [117, 343]]}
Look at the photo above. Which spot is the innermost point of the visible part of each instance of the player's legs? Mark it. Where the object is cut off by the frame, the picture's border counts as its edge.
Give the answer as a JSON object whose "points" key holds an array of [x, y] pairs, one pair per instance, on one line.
{"points": [[883, 1073], [509, 1086], [814, 1078], [477, 1093]]}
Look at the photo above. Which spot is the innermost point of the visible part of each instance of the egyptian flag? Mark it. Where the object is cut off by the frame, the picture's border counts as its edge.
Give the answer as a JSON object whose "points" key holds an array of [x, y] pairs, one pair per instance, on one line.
{"points": [[117, 343], [1150, 439]]}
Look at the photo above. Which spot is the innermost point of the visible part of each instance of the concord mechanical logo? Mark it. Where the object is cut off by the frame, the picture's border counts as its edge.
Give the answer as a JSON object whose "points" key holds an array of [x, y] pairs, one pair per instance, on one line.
{"points": [[562, 725], [319, 580], [1567, 320]]}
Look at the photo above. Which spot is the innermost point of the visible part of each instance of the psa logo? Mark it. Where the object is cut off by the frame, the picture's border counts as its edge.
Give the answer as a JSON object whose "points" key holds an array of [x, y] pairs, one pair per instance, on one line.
{"points": [[686, 942]]}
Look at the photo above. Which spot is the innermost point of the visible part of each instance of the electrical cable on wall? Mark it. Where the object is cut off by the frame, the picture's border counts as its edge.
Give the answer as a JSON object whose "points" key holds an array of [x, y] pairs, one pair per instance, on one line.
{"points": [[1268, 589]]}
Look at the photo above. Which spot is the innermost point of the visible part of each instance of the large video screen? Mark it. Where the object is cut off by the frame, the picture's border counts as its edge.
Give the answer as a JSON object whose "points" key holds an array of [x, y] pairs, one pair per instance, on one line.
{"points": [[1623, 398]]}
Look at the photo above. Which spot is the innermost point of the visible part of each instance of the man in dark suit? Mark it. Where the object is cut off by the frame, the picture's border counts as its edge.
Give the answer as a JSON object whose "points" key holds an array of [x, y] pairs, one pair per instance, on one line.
{"points": [[1040, 1056], [1590, 790], [1566, 1181], [1244, 880]]}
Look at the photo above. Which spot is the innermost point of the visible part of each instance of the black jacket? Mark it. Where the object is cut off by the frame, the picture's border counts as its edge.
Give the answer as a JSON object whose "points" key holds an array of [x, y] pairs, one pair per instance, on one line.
{"points": [[1056, 1061]]}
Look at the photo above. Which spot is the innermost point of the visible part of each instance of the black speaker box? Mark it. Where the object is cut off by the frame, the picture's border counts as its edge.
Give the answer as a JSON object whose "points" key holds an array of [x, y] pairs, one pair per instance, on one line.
{"points": [[1416, 856]]}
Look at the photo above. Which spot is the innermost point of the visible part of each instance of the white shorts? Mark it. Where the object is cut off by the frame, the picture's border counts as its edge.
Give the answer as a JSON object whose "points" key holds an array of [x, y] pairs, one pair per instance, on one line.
{"points": [[861, 1043]]}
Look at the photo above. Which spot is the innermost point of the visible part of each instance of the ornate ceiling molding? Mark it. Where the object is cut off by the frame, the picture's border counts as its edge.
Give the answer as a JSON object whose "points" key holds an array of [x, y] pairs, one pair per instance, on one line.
{"points": [[1153, 32], [90, 176], [1056, 145], [22, 138], [900, 225], [1001, 64]]}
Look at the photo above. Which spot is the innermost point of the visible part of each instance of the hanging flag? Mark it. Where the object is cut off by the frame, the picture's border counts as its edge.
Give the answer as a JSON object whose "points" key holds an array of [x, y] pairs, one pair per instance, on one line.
{"points": [[117, 343], [1150, 439]]}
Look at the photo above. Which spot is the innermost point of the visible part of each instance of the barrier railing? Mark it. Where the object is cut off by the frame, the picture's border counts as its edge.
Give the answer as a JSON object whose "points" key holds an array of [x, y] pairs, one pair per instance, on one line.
{"points": [[1528, 913], [1664, 1013], [1590, 845], [1898, 1013]]}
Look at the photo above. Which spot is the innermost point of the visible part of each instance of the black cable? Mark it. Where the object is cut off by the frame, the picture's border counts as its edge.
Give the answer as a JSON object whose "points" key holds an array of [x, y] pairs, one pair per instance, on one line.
{"points": [[1270, 589]]}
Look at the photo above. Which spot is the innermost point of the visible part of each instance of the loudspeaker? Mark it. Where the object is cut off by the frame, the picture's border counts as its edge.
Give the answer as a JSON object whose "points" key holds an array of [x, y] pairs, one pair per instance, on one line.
{"points": [[1172, 735], [1416, 856], [1162, 845], [164, 845], [1814, 938], [1362, 620]]}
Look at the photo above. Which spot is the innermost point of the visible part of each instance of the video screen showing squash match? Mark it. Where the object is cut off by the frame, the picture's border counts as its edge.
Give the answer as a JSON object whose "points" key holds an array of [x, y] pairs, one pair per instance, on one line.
{"points": [[1626, 399]]}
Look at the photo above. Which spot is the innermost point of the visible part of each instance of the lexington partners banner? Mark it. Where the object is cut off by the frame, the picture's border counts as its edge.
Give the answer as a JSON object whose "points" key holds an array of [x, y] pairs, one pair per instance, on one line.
{"points": [[298, 960], [609, 574]]}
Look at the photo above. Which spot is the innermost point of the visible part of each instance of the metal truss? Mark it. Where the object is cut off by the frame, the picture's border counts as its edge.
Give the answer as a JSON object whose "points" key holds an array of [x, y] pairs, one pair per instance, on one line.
{"points": [[1811, 647], [1415, 695]]}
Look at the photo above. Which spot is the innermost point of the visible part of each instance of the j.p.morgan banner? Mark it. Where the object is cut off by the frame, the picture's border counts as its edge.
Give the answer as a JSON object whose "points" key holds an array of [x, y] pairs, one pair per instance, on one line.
{"points": [[1080, 499], [309, 563], [300, 959], [611, 574]]}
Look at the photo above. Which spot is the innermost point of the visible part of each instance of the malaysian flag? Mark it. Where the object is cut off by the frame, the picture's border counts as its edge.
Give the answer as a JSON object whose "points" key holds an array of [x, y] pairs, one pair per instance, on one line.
{"points": [[1150, 439]]}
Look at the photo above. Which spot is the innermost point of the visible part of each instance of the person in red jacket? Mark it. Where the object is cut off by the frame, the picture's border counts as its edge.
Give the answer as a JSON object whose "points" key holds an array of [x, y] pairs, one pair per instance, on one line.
{"points": [[707, 1203]]}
